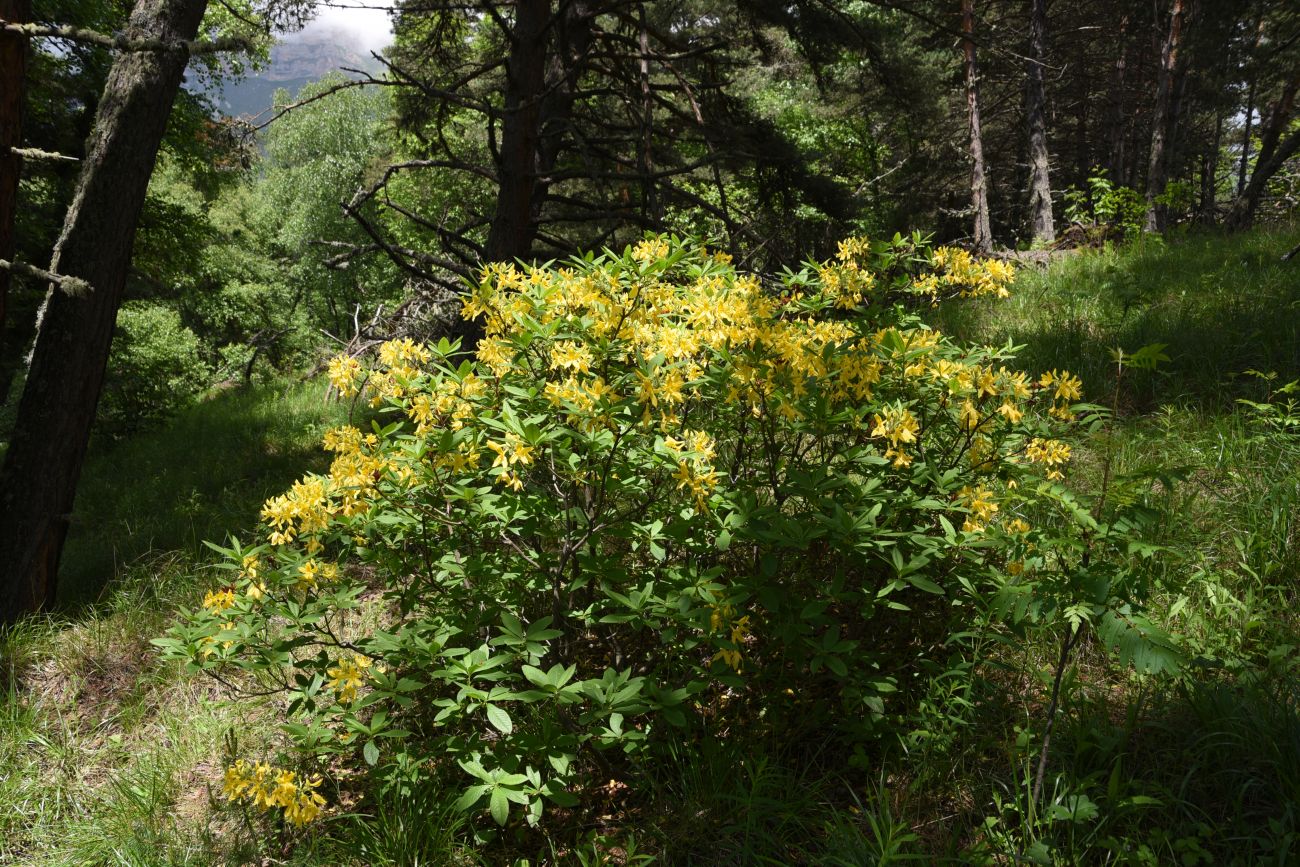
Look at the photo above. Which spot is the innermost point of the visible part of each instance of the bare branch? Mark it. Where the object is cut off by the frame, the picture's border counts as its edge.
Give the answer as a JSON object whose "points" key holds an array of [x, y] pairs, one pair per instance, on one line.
{"points": [[127, 43], [70, 285], [38, 154]]}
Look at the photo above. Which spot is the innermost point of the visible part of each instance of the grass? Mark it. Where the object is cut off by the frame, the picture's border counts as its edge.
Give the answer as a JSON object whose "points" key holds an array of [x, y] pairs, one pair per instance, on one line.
{"points": [[203, 476], [113, 755], [1222, 305]]}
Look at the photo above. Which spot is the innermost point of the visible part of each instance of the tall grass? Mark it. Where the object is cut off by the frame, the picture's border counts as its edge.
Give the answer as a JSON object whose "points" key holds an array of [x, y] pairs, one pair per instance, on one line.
{"points": [[202, 476], [1223, 305]]}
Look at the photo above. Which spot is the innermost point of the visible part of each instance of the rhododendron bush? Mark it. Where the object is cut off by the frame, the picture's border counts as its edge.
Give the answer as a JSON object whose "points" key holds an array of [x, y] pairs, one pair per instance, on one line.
{"points": [[665, 493]]}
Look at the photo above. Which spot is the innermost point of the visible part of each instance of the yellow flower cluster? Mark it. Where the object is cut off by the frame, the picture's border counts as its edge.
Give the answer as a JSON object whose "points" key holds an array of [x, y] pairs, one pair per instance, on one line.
{"points": [[511, 454], [1052, 454], [304, 510], [724, 620], [250, 568], [345, 374], [695, 472], [218, 601], [265, 787], [311, 572], [348, 675], [1017, 526], [981, 506], [1067, 388], [401, 360], [956, 270], [900, 428]]}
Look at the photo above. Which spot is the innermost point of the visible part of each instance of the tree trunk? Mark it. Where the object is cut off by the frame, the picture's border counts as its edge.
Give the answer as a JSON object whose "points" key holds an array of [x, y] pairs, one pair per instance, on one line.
{"points": [[1041, 226], [38, 481], [1271, 156], [1161, 118], [1210, 175], [513, 228], [1118, 116], [1253, 72], [979, 194], [1242, 213], [514, 225], [13, 73]]}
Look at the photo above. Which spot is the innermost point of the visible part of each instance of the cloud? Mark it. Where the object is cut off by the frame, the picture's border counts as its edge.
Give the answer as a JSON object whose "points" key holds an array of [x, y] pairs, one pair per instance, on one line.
{"points": [[370, 29]]}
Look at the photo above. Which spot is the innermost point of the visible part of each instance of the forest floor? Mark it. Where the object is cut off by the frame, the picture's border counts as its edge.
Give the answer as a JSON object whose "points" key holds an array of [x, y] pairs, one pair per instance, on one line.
{"points": [[111, 756]]}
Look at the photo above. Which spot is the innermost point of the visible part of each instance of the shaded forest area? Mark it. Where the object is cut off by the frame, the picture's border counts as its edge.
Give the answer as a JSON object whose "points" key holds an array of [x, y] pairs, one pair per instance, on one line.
{"points": [[763, 432]]}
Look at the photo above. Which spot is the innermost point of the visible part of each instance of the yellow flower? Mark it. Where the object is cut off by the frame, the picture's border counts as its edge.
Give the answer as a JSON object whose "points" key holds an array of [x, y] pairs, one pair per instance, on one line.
{"points": [[1050, 453], [344, 373], [218, 601], [266, 787], [347, 677], [981, 506]]}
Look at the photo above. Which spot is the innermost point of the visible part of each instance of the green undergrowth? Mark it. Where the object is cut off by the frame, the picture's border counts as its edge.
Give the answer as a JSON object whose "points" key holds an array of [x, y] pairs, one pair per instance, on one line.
{"points": [[114, 757], [1222, 305], [201, 476]]}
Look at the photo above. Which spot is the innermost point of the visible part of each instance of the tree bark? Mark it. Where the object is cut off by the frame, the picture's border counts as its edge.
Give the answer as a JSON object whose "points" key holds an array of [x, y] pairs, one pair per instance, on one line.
{"points": [[979, 195], [513, 228], [1162, 119], [39, 478], [1273, 154], [1242, 213], [1210, 174], [1041, 226], [1119, 119], [13, 74], [1253, 72]]}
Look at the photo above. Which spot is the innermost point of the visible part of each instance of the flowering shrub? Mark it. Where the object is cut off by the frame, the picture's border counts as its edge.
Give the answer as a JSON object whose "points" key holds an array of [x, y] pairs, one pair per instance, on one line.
{"points": [[662, 494]]}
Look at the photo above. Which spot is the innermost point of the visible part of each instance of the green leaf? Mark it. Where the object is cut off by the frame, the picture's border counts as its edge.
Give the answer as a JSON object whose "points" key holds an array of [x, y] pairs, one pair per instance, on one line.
{"points": [[500, 719], [466, 802], [499, 804], [371, 753]]}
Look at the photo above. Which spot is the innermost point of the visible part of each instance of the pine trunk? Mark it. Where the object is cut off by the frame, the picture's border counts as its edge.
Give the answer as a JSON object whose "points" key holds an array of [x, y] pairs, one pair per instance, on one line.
{"points": [[1162, 119], [1210, 175], [513, 229], [13, 72], [1271, 157], [39, 478], [983, 235], [1118, 117], [1041, 226]]}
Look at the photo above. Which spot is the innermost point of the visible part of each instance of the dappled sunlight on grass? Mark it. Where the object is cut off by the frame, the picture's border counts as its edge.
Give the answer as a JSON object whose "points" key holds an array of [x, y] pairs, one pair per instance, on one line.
{"points": [[202, 476], [1222, 304]]}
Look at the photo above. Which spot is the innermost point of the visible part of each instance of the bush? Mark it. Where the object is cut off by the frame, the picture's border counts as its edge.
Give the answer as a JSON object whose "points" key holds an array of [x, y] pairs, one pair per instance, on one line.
{"points": [[665, 495], [155, 370]]}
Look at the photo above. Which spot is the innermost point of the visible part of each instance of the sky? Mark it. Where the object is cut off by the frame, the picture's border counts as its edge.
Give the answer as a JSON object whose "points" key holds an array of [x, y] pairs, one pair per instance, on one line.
{"points": [[371, 27]]}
